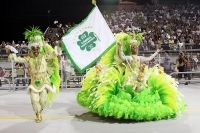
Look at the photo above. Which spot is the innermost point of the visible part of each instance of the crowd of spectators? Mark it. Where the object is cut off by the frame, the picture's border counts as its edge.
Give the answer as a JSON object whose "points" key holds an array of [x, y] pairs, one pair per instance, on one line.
{"points": [[21, 47], [173, 27]]}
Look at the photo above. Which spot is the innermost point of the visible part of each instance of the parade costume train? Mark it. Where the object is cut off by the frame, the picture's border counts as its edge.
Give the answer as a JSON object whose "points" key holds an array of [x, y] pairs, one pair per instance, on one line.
{"points": [[123, 87], [43, 68]]}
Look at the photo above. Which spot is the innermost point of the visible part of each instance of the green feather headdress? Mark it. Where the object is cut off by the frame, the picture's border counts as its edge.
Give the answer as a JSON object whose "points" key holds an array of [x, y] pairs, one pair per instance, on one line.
{"points": [[128, 39], [31, 34], [137, 37]]}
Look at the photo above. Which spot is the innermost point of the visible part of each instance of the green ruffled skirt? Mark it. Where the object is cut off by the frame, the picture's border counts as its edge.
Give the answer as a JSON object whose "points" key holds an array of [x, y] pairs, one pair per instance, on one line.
{"points": [[105, 94]]}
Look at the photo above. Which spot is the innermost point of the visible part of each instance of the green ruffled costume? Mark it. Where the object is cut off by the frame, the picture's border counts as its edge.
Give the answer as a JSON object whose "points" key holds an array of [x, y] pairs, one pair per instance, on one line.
{"points": [[104, 90]]}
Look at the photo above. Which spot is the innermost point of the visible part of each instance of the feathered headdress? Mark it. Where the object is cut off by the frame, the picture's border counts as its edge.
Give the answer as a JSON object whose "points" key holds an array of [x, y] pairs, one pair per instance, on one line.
{"points": [[128, 39], [31, 34], [34, 37], [136, 37]]}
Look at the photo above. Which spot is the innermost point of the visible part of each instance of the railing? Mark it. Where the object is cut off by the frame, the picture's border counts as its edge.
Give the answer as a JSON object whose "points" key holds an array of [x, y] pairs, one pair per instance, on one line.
{"points": [[72, 81], [75, 81], [191, 72], [9, 85], [20, 86]]}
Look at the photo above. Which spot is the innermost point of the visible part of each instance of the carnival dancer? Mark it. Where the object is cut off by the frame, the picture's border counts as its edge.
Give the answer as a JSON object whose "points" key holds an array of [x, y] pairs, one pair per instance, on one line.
{"points": [[123, 87], [43, 69]]}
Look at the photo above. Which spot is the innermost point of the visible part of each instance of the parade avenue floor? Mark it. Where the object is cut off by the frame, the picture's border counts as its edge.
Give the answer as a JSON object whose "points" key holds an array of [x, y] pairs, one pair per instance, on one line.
{"points": [[66, 116]]}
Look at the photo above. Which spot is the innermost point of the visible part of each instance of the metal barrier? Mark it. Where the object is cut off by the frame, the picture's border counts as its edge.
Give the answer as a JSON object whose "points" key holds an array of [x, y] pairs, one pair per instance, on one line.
{"points": [[4, 78], [9, 85], [15, 80], [72, 82], [190, 72]]}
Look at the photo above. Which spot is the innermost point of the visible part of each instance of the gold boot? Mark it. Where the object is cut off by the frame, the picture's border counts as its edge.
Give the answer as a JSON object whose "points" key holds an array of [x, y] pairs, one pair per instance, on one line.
{"points": [[38, 118]]}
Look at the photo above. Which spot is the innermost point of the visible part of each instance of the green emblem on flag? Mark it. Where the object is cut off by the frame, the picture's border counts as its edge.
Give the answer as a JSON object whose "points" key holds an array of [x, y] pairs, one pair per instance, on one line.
{"points": [[87, 40]]}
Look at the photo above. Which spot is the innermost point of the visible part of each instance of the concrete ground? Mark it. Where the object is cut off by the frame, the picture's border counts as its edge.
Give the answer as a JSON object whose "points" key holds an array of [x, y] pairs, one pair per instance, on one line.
{"points": [[66, 116]]}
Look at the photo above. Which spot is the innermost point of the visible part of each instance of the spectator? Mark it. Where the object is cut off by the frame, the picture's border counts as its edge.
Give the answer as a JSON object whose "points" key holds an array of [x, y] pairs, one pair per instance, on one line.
{"points": [[67, 68], [166, 63], [188, 68], [195, 59], [2, 73], [180, 63], [20, 71]]}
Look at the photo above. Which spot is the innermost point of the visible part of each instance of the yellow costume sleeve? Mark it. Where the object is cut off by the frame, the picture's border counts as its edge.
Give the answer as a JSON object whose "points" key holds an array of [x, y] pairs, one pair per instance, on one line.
{"points": [[14, 57]]}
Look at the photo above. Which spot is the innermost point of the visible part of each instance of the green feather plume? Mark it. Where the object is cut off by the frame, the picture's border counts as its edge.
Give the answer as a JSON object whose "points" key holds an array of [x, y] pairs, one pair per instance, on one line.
{"points": [[30, 34]]}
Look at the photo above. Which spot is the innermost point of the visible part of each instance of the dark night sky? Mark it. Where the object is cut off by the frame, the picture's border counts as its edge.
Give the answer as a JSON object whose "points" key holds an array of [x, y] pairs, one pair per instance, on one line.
{"points": [[18, 15]]}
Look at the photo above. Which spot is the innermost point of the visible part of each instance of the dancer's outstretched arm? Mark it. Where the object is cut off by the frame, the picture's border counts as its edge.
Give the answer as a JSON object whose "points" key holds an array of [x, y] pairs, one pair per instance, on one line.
{"points": [[12, 56], [16, 58], [146, 59]]}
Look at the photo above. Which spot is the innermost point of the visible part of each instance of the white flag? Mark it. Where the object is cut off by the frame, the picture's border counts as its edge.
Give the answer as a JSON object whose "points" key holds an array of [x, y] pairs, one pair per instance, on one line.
{"points": [[88, 41]]}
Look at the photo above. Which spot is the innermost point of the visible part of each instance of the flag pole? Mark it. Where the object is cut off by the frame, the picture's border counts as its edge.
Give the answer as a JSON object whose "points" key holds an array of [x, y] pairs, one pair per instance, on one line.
{"points": [[94, 2]]}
